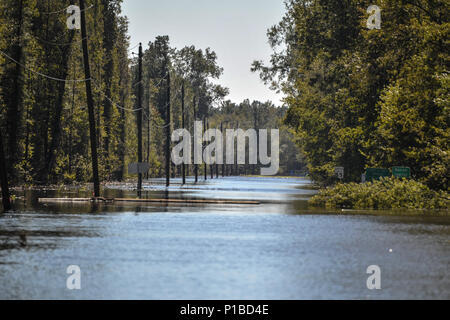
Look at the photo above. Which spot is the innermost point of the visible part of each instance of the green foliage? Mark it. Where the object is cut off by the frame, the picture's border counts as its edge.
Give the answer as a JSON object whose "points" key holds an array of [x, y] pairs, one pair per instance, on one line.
{"points": [[46, 121], [386, 193], [366, 98]]}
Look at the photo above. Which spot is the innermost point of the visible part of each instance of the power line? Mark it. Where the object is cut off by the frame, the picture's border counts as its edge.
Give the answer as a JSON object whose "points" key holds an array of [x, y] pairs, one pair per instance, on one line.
{"points": [[165, 106], [155, 125], [112, 102], [40, 73], [159, 83], [65, 10], [116, 105], [134, 47], [18, 41], [129, 109], [93, 81], [60, 44]]}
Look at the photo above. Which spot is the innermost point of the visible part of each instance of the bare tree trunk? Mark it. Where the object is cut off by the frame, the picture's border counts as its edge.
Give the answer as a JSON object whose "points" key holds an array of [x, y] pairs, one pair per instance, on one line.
{"points": [[148, 133], [183, 165], [109, 40], [4, 177], [56, 123], [195, 165], [13, 108], [211, 167], [168, 133], [139, 120], [236, 166], [90, 103], [187, 170], [203, 144]]}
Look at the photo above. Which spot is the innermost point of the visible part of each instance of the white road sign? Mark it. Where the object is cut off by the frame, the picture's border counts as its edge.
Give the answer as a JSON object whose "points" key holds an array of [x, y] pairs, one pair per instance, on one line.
{"points": [[339, 171]]}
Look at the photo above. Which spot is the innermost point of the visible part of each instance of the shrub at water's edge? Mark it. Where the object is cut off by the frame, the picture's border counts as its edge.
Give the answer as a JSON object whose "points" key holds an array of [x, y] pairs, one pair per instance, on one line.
{"points": [[387, 193]]}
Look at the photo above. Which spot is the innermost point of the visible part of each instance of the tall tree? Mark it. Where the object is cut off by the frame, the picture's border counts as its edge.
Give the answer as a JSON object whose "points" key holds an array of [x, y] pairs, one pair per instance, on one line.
{"points": [[343, 82]]}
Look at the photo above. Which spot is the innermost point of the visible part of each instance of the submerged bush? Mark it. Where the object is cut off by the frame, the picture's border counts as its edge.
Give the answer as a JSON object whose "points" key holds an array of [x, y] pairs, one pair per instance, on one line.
{"points": [[387, 193]]}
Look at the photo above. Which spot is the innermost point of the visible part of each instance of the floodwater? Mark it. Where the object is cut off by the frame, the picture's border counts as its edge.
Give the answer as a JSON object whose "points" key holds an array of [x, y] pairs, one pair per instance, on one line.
{"points": [[279, 249]]}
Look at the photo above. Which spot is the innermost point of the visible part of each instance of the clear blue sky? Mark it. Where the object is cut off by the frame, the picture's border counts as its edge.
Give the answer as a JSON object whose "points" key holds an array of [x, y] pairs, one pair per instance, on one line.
{"points": [[234, 29]]}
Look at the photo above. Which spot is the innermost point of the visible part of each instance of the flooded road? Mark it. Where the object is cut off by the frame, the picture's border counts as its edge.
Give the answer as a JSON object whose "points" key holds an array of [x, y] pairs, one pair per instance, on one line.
{"points": [[279, 249]]}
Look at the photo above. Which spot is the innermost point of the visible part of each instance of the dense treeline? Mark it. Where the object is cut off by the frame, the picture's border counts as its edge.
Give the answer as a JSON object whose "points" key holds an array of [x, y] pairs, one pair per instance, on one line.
{"points": [[43, 102], [366, 98], [260, 115], [42, 97]]}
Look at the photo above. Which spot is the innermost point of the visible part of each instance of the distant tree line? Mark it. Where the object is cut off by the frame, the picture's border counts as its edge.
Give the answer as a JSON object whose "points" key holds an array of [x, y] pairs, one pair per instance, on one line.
{"points": [[260, 115]]}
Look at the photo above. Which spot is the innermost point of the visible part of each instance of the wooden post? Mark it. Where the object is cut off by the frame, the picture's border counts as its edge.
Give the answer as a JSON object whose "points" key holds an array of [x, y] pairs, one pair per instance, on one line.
{"points": [[4, 177], [256, 127], [236, 166], [195, 165], [139, 119], [168, 133], [205, 165], [217, 165], [90, 102], [149, 133], [187, 167], [223, 162], [183, 165], [211, 167]]}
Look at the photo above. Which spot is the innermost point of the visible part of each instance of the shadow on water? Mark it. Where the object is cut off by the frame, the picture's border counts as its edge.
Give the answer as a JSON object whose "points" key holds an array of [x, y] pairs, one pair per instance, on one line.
{"points": [[280, 249], [17, 238], [290, 195]]}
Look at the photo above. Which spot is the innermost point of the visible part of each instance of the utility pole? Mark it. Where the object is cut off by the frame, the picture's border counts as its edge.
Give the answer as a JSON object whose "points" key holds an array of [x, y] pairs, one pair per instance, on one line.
{"points": [[195, 165], [204, 130], [183, 168], [217, 165], [168, 133], [148, 133], [4, 177], [236, 166], [187, 121], [223, 162], [256, 127], [211, 167], [90, 102], [139, 120]]}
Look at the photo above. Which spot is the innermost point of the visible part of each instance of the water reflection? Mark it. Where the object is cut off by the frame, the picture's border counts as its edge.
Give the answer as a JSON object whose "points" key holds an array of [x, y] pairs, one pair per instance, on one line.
{"points": [[280, 249]]}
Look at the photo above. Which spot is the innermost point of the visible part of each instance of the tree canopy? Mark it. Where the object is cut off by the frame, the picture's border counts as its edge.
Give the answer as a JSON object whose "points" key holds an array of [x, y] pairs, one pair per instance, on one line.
{"points": [[363, 98]]}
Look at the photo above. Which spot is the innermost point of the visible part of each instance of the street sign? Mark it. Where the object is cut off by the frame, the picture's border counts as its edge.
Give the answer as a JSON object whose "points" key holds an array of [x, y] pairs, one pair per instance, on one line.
{"points": [[401, 172], [136, 168], [376, 173], [339, 171]]}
